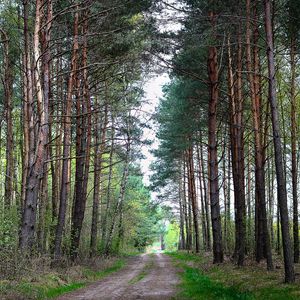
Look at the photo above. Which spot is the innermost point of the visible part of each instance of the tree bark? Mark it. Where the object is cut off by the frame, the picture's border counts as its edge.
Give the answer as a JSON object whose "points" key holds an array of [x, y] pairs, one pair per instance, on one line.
{"points": [[281, 183], [213, 155], [97, 180], [38, 157], [193, 197], [261, 222], [294, 151], [206, 196], [83, 145], [237, 151], [65, 178]]}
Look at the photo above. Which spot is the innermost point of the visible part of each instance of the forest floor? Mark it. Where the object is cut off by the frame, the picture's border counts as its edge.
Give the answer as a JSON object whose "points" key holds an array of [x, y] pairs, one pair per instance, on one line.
{"points": [[148, 276], [202, 280]]}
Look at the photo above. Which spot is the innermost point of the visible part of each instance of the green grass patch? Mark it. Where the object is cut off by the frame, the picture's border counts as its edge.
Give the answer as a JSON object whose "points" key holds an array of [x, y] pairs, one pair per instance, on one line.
{"points": [[196, 285], [138, 278], [55, 292], [202, 280]]}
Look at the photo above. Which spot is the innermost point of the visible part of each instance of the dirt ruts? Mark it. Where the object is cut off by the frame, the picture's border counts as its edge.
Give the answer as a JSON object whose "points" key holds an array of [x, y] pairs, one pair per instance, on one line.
{"points": [[148, 276]]}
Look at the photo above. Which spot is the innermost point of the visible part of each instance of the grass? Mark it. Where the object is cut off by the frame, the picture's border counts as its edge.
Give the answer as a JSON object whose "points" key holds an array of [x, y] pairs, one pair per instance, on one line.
{"points": [[49, 286], [95, 275], [202, 280], [55, 292], [138, 278], [144, 272]]}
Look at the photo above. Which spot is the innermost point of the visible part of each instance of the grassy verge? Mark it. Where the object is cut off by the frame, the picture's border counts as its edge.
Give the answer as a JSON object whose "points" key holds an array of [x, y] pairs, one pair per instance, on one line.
{"points": [[202, 280], [51, 285]]}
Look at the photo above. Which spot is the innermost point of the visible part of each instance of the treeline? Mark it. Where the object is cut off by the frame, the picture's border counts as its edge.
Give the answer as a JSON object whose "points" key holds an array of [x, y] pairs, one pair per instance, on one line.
{"points": [[71, 132], [229, 130]]}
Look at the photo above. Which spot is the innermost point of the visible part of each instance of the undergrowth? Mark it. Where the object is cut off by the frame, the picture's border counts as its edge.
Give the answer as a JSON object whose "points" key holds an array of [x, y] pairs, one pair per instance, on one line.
{"points": [[56, 282]]}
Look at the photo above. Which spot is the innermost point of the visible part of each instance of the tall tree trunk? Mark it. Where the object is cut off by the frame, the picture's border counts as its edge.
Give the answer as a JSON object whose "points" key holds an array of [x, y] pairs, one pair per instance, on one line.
{"points": [[203, 221], [45, 37], [109, 181], [225, 194], [65, 173], [206, 196], [83, 144], [182, 242], [281, 183], [261, 222], [193, 197], [237, 150], [213, 154], [37, 159], [97, 179], [185, 207], [294, 151]]}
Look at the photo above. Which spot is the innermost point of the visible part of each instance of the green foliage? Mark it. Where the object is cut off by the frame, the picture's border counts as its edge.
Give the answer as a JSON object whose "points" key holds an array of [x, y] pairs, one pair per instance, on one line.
{"points": [[172, 237], [9, 220], [142, 214]]}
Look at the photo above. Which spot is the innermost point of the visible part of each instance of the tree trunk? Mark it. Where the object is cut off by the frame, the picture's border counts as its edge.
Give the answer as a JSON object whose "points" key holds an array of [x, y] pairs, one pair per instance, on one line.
{"points": [[281, 183], [206, 196], [203, 221], [182, 240], [83, 145], [261, 222], [237, 150], [294, 152], [65, 178], [185, 208], [97, 180], [109, 183], [193, 197], [213, 155], [38, 157]]}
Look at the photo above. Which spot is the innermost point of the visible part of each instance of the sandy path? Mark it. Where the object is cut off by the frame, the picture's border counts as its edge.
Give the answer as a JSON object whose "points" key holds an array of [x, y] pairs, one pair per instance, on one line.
{"points": [[145, 277]]}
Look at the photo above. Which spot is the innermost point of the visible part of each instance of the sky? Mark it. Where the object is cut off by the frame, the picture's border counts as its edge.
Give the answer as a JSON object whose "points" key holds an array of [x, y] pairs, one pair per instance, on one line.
{"points": [[167, 21], [153, 92]]}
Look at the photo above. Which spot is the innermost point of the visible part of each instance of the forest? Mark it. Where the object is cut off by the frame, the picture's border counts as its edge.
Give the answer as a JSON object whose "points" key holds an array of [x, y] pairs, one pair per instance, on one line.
{"points": [[222, 196]]}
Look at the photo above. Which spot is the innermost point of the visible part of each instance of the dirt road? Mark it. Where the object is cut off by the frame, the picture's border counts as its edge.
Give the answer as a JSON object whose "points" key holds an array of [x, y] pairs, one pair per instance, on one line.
{"points": [[145, 277]]}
